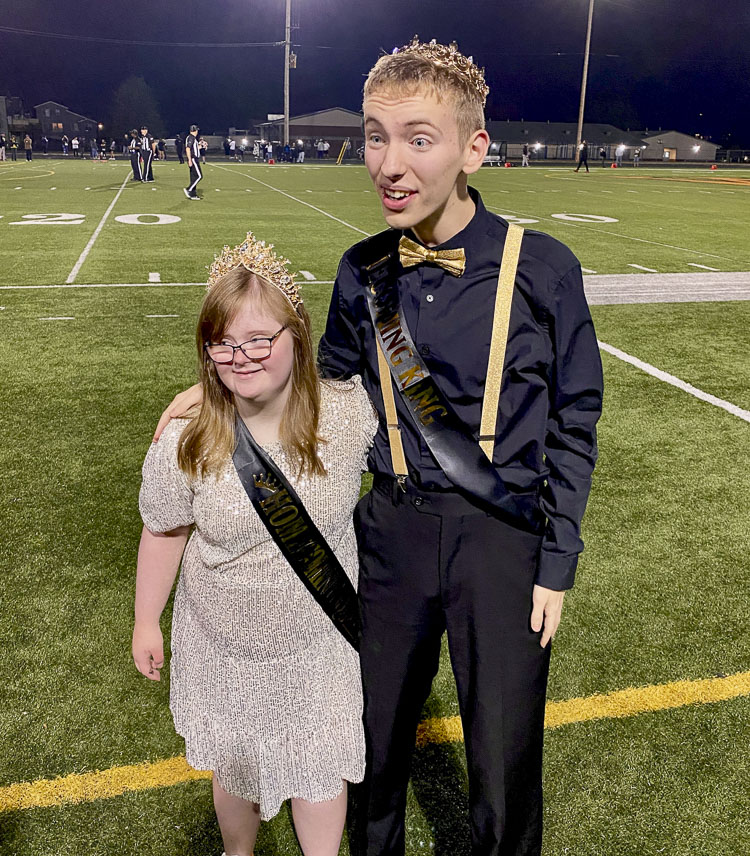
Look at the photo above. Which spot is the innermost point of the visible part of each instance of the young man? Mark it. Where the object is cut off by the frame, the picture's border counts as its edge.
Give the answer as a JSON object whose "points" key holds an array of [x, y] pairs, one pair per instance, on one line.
{"points": [[488, 563], [193, 154], [481, 541]]}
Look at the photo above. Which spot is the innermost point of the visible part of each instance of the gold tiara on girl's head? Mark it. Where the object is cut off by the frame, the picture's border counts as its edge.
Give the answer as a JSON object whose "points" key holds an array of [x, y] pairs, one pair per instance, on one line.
{"points": [[258, 258]]}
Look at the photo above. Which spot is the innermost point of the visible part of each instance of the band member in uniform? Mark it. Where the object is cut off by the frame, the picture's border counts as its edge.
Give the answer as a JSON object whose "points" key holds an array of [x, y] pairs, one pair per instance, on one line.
{"points": [[147, 148], [475, 343], [135, 156], [193, 155]]}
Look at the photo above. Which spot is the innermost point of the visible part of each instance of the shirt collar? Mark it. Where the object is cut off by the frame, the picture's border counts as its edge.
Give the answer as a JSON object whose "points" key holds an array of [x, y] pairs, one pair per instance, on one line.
{"points": [[474, 230]]}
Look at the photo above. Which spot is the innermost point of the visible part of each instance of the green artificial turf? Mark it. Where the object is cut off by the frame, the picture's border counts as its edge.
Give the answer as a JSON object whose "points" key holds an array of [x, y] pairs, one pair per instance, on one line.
{"points": [[662, 586]]}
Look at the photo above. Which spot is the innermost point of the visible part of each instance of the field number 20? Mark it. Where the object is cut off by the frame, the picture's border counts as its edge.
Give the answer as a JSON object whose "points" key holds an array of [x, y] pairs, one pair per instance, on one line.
{"points": [[77, 219]]}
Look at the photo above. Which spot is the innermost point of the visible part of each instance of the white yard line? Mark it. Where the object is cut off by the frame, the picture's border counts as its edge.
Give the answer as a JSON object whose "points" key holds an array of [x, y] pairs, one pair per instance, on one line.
{"points": [[134, 285], [607, 232], [84, 255], [301, 202], [675, 381]]}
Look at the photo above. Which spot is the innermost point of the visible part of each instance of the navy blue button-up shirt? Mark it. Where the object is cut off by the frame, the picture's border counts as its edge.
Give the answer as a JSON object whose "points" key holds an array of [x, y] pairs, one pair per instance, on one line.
{"points": [[551, 394]]}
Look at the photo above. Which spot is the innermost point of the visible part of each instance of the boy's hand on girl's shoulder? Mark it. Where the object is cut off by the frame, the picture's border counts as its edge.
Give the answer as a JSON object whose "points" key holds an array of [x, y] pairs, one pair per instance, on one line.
{"points": [[179, 406], [546, 610], [148, 650]]}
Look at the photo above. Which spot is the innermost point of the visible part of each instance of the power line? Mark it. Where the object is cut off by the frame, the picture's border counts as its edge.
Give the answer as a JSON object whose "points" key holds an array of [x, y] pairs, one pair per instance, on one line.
{"points": [[78, 38]]}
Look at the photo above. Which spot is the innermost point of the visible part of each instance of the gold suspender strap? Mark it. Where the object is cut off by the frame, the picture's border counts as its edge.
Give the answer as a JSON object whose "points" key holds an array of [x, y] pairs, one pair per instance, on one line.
{"points": [[398, 459], [503, 299]]}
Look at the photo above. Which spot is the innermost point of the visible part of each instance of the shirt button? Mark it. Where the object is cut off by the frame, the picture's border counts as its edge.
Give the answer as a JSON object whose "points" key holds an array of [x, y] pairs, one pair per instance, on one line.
{"points": [[430, 298], [418, 501], [425, 350]]}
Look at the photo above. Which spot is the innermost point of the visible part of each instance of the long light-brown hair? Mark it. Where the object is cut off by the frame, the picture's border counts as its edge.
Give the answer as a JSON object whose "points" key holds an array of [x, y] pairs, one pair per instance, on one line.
{"points": [[209, 439]]}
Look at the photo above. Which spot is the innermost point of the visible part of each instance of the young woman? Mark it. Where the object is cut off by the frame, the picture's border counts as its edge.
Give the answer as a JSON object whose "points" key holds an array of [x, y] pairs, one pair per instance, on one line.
{"points": [[265, 684]]}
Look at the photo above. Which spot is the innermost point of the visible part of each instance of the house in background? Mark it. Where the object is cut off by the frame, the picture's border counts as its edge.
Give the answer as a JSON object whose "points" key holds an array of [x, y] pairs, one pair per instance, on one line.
{"points": [[56, 119]]}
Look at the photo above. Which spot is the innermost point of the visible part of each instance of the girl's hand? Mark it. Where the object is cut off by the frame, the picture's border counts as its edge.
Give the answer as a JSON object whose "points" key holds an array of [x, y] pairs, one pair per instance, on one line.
{"points": [[148, 650]]}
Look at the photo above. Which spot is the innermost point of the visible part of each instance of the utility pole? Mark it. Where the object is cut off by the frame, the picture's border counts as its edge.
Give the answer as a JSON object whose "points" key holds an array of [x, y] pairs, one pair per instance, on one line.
{"points": [[287, 48], [579, 134]]}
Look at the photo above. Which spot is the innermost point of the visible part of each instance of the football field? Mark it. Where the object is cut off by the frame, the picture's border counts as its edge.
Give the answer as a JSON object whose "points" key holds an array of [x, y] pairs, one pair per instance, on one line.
{"points": [[101, 280]]}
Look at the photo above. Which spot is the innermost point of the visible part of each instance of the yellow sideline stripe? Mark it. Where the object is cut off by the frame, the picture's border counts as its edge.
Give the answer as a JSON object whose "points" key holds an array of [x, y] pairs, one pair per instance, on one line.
{"points": [[616, 704], [85, 787]]}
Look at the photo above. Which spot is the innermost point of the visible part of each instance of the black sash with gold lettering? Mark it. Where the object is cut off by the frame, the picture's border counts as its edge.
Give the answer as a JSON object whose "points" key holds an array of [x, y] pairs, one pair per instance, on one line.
{"points": [[453, 447], [298, 538]]}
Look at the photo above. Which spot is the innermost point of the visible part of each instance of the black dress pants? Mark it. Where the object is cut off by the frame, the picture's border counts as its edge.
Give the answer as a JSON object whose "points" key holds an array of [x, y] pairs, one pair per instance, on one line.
{"points": [[135, 163], [147, 173], [430, 562]]}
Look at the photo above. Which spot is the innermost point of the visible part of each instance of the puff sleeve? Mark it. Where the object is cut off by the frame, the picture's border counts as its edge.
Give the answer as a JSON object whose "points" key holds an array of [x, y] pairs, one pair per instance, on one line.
{"points": [[166, 498]]}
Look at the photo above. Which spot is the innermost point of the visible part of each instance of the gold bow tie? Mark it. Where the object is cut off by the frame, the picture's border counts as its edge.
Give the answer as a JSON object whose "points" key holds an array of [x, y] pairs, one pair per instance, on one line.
{"points": [[411, 253]]}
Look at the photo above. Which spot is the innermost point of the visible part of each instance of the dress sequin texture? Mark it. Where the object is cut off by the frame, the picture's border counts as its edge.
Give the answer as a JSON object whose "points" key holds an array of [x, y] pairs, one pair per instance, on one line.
{"points": [[263, 688]]}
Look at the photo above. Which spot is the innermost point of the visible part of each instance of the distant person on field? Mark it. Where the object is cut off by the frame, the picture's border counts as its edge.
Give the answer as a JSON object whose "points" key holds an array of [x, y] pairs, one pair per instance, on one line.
{"points": [[27, 144], [256, 151], [94, 149], [179, 147], [162, 148], [603, 155], [583, 156], [269, 151], [619, 152], [321, 147], [135, 156], [203, 146], [74, 146], [13, 147], [3, 144], [147, 150], [193, 154], [636, 157], [45, 144], [64, 142], [525, 155], [300, 151]]}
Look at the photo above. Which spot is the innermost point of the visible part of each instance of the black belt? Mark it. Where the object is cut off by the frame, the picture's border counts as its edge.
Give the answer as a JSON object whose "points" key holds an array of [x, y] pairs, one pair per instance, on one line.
{"points": [[449, 502]]}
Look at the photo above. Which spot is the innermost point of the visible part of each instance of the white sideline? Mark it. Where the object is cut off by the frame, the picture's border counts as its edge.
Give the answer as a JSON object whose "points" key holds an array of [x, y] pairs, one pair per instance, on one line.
{"points": [[675, 381], [84, 255], [301, 202]]}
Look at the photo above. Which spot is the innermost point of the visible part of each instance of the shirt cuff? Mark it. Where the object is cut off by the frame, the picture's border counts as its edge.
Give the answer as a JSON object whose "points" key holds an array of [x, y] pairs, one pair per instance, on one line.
{"points": [[556, 571]]}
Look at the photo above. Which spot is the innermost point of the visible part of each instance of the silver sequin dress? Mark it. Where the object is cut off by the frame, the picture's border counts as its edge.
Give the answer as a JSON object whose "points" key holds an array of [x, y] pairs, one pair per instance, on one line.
{"points": [[264, 689]]}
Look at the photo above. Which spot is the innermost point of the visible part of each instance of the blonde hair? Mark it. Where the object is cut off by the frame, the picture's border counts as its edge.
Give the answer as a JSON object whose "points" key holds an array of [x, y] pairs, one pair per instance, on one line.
{"points": [[408, 74], [210, 438]]}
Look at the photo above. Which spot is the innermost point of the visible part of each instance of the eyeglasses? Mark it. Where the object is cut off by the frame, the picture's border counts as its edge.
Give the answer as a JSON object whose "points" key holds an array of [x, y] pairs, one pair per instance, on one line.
{"points": [[256, 349]]}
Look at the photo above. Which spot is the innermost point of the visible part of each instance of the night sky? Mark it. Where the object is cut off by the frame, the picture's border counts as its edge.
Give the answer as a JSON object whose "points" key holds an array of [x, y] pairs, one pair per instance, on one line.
{"points": [[678, 64]]}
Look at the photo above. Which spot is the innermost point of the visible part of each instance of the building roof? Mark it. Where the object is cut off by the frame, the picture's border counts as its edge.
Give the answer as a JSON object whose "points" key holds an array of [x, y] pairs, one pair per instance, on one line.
{"points": [[72, 112], [560, 133], [354, 118], [657, 135]]}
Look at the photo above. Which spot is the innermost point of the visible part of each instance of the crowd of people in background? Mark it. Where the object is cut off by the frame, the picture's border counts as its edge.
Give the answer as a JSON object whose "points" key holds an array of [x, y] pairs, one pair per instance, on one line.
{"points": [[102, 148]]}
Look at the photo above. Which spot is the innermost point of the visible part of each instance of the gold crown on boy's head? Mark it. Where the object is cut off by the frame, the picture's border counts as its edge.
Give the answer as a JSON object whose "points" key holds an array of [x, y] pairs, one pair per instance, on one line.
{"points": [[258, 258], [450, 57]]}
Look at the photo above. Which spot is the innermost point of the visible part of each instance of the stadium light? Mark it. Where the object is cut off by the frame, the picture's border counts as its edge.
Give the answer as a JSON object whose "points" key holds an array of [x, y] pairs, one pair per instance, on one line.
{"points": [[579, 133], [696, 148], [287, 50], [537, 146]]}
